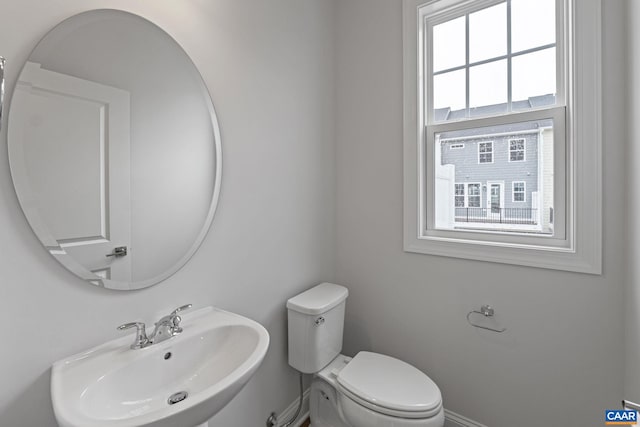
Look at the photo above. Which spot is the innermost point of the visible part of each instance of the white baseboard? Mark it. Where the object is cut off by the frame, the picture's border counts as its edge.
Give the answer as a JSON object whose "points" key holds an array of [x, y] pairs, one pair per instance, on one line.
{"points": [[291, 410], [456, 420]]}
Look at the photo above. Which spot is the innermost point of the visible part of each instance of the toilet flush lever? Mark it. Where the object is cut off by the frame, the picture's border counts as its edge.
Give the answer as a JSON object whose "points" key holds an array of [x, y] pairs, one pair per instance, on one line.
{"points": [[319, 321]]}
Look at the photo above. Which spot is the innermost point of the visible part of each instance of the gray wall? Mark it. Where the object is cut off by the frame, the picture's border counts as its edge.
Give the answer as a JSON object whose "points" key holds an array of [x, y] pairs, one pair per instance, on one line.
{"points": [[561, 361], [269, 67], [632, 300]]}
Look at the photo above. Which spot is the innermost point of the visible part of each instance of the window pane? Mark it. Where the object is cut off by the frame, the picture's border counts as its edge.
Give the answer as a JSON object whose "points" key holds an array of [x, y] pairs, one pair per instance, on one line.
{"points": [[517, 150], [449, 94], [459, 195], [473, 195], [485, 152], [534, 79], [449, 44], [533, 24], [501, 196], [488, 33], [488, 88], [519, 191]]}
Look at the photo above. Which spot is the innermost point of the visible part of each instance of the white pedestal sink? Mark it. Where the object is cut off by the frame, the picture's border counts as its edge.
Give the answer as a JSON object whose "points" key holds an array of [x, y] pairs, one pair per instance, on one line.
{"points": [[181, 382]]}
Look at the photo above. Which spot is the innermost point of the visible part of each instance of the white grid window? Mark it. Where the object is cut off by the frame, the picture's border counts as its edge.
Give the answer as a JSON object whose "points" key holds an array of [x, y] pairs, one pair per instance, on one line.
{"points": [[485, 152], [467, 195], [489, 73], [491, 60], [459, 195], [474, 68], [519, 191], [473, 198], [517, 150]]}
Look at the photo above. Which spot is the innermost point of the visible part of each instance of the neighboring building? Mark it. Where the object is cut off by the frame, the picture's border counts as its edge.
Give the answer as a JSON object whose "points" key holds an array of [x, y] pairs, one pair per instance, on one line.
{"points": [[499, 178]]}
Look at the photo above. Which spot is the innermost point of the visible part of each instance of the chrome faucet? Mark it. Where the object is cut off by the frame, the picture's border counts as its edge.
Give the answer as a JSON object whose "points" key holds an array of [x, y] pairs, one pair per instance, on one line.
{"points": [[165, 328], [168, 326], [141, 340]]}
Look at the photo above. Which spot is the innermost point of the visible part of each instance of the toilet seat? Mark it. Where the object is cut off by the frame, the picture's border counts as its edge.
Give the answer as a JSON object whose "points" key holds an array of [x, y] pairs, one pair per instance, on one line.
{"points": [[389, 386]]}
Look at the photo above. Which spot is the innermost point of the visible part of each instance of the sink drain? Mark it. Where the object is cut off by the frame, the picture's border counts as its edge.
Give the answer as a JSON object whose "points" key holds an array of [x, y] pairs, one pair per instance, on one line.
{"points": [[177, 397]]}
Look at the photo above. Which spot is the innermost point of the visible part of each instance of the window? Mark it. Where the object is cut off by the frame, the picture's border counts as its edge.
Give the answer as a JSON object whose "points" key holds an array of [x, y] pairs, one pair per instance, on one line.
{"points": [[467, 195], [519, 191], [459, 195], [495, 87], [474, 195], [491, 60], [485, 152], [504, 78], [516, 150]]}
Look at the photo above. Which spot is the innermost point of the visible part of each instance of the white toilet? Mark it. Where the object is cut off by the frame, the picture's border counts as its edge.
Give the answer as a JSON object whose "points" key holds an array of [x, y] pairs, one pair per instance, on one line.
{"points": [[369, 390]]}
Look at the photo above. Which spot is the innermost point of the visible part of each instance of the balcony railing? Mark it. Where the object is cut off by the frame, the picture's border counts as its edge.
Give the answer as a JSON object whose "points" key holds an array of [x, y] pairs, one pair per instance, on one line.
{"points": [[527, 216]]}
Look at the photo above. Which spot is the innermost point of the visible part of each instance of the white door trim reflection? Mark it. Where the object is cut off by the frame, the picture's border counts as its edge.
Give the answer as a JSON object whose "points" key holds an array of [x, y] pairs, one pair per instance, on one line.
{"points": [[81, 186]]}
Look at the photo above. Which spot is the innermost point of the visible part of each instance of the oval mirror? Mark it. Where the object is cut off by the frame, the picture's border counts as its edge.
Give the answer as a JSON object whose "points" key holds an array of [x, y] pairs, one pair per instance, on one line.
{"points": [[114, 149]]}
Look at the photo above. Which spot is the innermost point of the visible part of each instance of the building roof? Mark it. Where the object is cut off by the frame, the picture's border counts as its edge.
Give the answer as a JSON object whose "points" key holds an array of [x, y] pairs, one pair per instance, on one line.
{"points": [[446, 114]]}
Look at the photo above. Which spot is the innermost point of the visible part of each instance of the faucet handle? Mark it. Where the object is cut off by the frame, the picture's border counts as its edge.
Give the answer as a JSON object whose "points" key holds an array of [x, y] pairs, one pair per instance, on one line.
{"points": [[141, 339], [175, 319], [182, 308]]}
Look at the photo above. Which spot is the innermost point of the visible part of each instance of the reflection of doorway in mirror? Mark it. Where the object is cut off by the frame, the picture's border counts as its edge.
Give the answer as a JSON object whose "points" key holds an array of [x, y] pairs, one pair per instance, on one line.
{"points": [[77, 159]]}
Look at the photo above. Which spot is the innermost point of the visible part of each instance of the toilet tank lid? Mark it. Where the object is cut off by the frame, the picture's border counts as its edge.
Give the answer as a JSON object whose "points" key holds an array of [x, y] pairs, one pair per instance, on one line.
{"points": [[319, 299]]}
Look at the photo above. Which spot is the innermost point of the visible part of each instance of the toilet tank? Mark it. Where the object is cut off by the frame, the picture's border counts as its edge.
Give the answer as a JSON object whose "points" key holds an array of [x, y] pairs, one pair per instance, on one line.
{"points": [[316, 323]]}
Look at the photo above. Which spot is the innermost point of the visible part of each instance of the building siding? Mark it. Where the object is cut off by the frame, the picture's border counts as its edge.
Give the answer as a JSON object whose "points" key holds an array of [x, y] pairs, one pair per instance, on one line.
{"points": [[469, 170]]}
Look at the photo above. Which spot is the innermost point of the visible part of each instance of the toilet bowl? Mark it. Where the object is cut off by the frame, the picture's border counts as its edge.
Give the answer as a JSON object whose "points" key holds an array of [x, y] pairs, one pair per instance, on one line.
{"points": [[332, 405], [369, 390]]}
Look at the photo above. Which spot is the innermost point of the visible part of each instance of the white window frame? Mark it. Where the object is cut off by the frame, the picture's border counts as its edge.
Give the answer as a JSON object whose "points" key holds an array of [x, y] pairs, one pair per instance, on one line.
{"points": [[479, 184], [513, 191], [524, 149], [464, 195], [578, 246], [492, 152]]}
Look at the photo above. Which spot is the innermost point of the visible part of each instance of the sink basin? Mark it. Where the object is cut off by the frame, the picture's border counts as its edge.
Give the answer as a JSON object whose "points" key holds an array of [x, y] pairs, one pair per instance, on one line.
{"points": [[181, 382]]}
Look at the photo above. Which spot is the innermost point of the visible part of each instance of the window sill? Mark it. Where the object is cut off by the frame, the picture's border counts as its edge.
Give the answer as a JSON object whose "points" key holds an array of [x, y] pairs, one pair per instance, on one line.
{"points": [[515, 254]]}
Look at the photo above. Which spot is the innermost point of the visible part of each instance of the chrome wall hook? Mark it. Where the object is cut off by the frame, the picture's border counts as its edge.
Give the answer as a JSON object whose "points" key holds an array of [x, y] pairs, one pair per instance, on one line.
{"points": [[486, 311]]}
